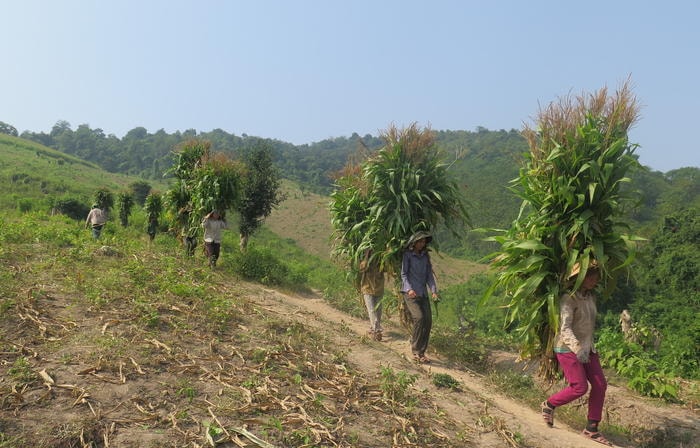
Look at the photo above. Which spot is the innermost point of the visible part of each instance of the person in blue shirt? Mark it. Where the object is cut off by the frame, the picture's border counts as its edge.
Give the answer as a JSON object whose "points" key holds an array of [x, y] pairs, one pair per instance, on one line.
{"points": [[417, 281]]}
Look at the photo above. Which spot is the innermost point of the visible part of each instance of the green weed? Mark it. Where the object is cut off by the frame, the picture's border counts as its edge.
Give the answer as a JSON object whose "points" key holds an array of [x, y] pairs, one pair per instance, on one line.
{"points": [[445, 380], [396, 386], [21, 371], [186, 390]]}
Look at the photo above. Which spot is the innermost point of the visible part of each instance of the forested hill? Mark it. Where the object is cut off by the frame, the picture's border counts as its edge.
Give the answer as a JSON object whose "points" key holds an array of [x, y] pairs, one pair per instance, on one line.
{"points": [[483, 161]]}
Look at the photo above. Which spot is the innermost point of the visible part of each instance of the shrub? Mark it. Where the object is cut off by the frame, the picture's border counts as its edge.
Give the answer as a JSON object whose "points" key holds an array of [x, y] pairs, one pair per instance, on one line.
{"points": [[25, 205], [260, 265], [73, 208], [643, 372]]}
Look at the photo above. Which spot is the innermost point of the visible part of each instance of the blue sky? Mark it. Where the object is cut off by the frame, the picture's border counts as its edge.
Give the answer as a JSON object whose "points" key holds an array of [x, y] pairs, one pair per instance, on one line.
{"points": [[301, 71]]}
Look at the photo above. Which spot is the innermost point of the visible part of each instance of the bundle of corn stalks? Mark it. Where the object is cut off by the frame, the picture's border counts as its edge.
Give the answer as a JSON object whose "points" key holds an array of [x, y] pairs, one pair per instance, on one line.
{"points": [[570, 186], [203, 181], [153, 206], [382, 199]]}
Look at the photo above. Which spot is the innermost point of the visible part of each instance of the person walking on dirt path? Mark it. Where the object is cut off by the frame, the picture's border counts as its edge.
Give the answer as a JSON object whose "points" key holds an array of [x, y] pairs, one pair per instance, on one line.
{"points": [[96, 219], [577, 356], [417, 279], [372, 288], [213, 224]]}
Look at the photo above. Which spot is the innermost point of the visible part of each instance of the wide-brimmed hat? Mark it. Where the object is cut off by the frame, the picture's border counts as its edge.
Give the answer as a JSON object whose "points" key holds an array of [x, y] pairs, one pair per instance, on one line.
{"points": [[592, 266], [422, 234]]}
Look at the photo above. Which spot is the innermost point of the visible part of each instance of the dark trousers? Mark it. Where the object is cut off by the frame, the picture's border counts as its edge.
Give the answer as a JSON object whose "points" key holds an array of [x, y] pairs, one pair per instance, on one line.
{"points": [[422, 317], [213, 250], [190, 245], [97, 230]]}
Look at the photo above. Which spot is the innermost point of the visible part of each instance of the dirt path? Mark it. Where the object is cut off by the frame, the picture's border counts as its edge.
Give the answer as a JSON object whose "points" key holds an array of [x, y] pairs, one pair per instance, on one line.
{"points": [[476, 402]]}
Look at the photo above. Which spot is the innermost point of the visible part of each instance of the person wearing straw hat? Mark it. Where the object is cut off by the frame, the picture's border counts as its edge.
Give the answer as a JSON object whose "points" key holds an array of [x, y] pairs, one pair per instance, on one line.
{"points": [[417, 280], [576, 353]]}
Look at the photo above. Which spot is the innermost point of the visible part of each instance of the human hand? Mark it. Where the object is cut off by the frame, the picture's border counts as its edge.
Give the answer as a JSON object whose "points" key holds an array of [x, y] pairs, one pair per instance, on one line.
{"points": [[583, 356], [411, 294], [436, 298]]}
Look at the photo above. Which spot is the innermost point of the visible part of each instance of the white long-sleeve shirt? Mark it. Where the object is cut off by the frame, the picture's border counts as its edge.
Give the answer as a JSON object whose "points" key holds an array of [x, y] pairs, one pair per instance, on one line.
{"points": [[577, 315], [212, 229], [96, 217]]}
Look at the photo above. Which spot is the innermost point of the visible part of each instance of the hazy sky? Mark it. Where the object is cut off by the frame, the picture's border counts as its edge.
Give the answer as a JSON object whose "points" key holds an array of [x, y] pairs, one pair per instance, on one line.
{"points": [[305, 70]]}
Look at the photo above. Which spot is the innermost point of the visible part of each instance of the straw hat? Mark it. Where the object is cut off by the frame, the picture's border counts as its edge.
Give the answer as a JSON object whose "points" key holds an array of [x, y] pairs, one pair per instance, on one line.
{"points": [[592, 266], [419, 236]]}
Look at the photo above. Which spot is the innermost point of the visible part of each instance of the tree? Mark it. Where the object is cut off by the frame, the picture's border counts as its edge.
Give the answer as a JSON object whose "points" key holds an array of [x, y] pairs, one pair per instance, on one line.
{"points": [[140, 190], [125, 202], [571, 204], [59, 128], [8, 129], [261, 191]]}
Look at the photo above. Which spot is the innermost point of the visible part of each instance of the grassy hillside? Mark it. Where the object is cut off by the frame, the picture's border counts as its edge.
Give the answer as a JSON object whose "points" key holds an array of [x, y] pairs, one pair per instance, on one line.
{"points": [[39, 175], [304, 218]]}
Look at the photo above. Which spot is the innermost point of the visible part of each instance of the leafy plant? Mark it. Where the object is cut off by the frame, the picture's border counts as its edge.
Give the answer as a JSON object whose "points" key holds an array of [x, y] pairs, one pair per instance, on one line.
{"points": [[260, 265], [125, 202], [153, 206], [140, 190], [72, 207], [381, 201], [104, 199], [446, 381], [204, 182], [187, 390], [571, 203], [21, 371], [643, 372], [396, 386], [402, 188]]}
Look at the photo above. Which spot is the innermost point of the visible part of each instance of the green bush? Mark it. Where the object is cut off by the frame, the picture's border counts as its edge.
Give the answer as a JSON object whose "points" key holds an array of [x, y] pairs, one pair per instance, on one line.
{"points": [[25, 205], [642, 370], [260, 265], [71, 207]]}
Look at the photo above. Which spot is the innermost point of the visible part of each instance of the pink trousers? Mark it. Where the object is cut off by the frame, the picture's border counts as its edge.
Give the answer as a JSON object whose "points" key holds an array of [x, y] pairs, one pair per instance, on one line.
{"points": [[578, 376]]}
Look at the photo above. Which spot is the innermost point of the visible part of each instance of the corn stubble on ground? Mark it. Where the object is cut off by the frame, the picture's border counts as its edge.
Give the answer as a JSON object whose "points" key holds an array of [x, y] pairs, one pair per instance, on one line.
{"points": [[114, 368]]}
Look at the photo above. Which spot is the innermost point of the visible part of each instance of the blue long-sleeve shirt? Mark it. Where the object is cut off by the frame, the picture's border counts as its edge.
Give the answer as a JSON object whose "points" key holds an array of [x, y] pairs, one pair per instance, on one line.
{"points": [[417, 273]]}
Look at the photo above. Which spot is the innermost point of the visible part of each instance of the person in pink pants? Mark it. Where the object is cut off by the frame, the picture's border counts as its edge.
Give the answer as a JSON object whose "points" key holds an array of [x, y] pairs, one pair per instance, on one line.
{"points": [[577, 356]]}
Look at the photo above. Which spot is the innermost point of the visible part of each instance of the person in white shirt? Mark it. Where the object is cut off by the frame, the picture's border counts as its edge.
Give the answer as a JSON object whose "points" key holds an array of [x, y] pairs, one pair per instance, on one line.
{"points": [[97, 219], [213, 224]]}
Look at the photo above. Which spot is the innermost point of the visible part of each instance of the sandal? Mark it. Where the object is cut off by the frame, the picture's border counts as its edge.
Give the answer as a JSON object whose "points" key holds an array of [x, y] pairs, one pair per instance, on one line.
{"points": [[596, 436], [547, 414], [421, 359]]}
